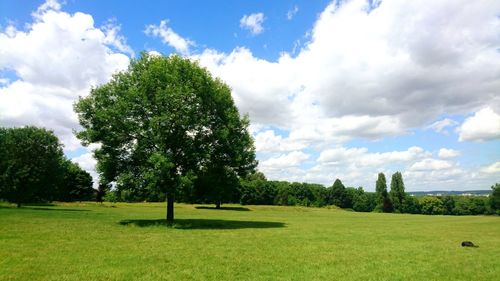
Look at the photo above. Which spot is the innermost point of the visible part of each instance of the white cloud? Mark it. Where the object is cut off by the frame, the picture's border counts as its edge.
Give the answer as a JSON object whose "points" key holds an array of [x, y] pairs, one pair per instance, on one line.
{"points": [[114, 38], [492, 169], [267, 141], [292, 159], [59, 57], [396, 68], [170, 37], [431, 164], [439, 126], [360, 157], [411, 73], [448, 153], [482, 126], [291, 13], [253, 23]]}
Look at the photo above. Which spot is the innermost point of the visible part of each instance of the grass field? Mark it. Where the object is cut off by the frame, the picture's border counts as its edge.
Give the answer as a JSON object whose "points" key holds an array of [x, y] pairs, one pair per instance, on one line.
{"points": [[88, 241]]}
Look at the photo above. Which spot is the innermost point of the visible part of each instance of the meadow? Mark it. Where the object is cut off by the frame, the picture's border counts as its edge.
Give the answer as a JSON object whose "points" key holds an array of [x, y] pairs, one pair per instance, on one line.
{"points": [[89, 241]]}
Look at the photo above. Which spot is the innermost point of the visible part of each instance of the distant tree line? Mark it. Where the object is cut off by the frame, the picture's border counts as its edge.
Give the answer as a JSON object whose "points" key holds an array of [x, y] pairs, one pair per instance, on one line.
{"points": [[34, 169], [255, 189]]}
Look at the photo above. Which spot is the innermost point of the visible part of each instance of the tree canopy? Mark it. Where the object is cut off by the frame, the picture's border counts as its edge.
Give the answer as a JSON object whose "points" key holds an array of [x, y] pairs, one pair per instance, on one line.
{"points": [[495, 197], [384, 203], [30, 164], [397, 192], [160, 120]]}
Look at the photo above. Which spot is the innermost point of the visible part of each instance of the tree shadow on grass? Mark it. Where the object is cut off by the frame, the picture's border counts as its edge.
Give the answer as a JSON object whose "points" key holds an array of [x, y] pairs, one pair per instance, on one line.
{"points": [[204, 224], [224, 208], [56, 209], [43, 209]]}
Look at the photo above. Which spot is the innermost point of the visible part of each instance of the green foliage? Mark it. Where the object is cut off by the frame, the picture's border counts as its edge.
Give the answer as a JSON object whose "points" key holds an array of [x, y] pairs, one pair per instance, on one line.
{"points": [[448, 204], [75, 185], [431, 205], [161, 120], [471, 205], [410, 205], [217, 185], [337, 195], [30, 164], [384, 203], [364, 201], [495, 198], [303, 194], [397, 193], [256, 190], [463, 206]]}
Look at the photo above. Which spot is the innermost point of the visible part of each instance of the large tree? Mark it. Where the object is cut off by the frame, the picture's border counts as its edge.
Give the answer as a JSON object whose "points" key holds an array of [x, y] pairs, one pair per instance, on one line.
{"points": [[160, 120], [30, 160], [397, 192], [384, 203]]}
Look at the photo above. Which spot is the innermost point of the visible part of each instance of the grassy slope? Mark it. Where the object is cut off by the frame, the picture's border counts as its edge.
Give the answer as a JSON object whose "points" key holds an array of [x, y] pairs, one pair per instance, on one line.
{"points": [[88, 242]]}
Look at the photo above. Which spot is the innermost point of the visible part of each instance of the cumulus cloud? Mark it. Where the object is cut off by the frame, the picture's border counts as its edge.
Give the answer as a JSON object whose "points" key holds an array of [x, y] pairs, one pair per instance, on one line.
{"points": [[253, 23], [169, 37], [411, 73], [418, 65], [482, 126], [58, 57], [291, 13], [268, 141], [492, 169], [431, 164], [360, 157], [292, 159], [448, 153]]}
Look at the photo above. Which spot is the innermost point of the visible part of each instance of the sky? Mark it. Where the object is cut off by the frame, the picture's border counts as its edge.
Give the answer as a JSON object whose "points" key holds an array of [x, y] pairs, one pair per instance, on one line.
{"points": [[334, 89]]}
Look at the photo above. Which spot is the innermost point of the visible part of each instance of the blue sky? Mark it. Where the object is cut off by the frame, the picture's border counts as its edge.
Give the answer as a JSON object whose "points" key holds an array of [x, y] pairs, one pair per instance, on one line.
{"points": [[342, 89]]}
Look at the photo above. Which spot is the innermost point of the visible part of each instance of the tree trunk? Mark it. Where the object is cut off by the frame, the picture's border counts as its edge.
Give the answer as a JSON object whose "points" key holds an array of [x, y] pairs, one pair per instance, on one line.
{"points": [[170, 209], [217, 205], [18, 204]]}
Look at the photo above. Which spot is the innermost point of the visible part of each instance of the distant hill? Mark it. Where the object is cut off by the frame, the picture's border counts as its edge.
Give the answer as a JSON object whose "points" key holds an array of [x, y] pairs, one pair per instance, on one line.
{"points": [[447, 192]]}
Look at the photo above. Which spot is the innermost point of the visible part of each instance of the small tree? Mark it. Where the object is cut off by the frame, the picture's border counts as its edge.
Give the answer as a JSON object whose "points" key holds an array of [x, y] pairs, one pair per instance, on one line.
{"points": [[337, 194], [495, 198], [397, 192], [30, 164], [384, 203]]}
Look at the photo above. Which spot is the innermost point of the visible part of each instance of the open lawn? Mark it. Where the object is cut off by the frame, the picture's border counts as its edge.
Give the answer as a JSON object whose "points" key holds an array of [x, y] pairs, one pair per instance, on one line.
{"points": [[88, 241]]}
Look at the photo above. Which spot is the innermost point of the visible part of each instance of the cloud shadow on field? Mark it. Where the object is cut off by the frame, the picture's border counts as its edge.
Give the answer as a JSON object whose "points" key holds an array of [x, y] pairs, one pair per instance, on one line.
{"points": [[223, 208], [204, 224]]}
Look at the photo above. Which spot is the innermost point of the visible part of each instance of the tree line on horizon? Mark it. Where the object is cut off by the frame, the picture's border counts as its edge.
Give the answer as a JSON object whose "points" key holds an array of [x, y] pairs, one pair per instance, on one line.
{"points": [[255, 189]]}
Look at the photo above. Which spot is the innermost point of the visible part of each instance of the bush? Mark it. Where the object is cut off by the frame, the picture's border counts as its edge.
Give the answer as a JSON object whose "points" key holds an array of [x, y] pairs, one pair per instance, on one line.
{"points": [[410, 205], [431, 205]]}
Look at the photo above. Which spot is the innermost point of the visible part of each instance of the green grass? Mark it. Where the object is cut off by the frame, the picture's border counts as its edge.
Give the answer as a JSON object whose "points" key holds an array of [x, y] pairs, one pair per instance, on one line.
{"points": [[130, 242]]}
